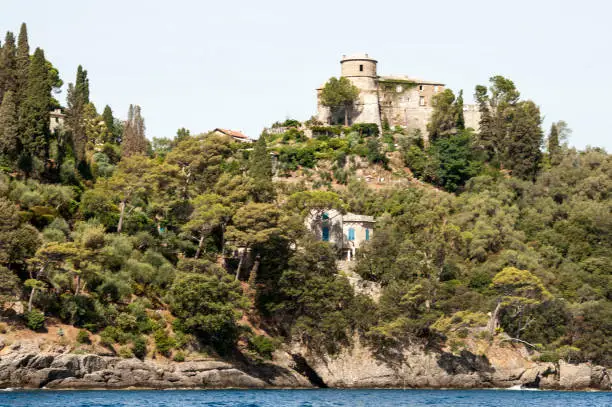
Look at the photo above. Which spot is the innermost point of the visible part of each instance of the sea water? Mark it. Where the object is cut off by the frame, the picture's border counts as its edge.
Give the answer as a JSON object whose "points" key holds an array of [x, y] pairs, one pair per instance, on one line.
{"points": [[301, 398]]}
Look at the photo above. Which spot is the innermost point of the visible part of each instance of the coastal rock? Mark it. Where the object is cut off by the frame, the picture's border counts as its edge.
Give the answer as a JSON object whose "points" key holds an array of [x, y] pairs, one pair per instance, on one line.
{"points": [[354, 367]]}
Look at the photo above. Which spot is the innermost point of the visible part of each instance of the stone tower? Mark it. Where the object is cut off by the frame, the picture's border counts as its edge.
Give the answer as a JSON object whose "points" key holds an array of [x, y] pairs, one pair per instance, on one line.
{"points": [[360, 69]]}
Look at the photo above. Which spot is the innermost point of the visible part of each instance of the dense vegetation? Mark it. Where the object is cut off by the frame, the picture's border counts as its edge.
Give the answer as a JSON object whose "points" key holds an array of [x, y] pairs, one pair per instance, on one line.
{"points": [[186, 244]]}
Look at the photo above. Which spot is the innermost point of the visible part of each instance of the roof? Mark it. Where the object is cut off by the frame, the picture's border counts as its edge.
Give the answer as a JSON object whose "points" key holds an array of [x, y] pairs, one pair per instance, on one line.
{"points": [[408, 78], [232, 133], [354, 217]]}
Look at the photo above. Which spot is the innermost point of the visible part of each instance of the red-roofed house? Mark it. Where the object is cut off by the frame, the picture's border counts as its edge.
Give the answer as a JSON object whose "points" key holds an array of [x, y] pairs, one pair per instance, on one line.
{"points": [[235, 135]]}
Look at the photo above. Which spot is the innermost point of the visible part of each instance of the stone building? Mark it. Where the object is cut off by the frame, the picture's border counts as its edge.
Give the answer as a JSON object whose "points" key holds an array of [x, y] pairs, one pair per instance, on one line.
{"points": [[56, 120], [398, 100], [347, 232]]}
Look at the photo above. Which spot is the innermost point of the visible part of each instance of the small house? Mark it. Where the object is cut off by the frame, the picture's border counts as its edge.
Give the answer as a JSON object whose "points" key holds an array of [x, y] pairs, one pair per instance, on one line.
{"points": [[233, 134]]}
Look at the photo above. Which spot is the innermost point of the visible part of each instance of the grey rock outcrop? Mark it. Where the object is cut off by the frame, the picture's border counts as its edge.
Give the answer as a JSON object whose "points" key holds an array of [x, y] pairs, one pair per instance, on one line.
{"points": [[35, 370]]}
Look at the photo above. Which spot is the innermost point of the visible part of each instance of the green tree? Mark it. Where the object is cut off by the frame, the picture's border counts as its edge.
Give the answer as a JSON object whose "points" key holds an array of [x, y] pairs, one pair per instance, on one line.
{"points": [[209, 211], [460, 120], [208, 305], [260, 169], [522, 152], [109, 120], [443, 121], [22, 63], [133, 140], [78, 99], [253, 225], [518, 291], [340, 93], [34, 109], [8, 65], [9, 125]]}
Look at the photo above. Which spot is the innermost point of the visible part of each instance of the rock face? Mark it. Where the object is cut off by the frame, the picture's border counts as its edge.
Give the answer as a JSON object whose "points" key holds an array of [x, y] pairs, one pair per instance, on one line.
{"points": [[357, 367], [26, 369]]}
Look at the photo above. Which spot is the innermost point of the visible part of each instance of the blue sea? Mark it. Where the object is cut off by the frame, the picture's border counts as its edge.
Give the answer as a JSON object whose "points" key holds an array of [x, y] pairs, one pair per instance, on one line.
{"points": [[301, 398]]}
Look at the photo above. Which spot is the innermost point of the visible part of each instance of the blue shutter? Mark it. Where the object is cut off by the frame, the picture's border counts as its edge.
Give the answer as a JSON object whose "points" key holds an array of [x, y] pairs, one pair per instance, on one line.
{"points": [[367, 234], [351, 234], [325, 234]]}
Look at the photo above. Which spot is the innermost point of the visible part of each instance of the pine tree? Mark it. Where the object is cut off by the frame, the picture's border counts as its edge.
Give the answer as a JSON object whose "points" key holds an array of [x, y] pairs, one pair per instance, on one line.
{"points": [[22, 63], [554, 146], [34, 108], [260, 169], [8, 125], [134, 140], [109, 120], [8, 65]]}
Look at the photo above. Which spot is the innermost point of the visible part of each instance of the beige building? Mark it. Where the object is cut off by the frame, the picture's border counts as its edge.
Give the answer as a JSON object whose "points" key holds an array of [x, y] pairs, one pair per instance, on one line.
{"points": [[398, 100], [56, 120], [347, 232]]}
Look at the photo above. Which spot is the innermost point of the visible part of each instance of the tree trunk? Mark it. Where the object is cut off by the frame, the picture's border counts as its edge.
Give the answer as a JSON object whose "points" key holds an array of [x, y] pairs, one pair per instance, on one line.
{"points": [[200, 244], [346, 115], [31, 300], [77, 288], [253, 275], [242, 257], [493, 321], [120, 224]]}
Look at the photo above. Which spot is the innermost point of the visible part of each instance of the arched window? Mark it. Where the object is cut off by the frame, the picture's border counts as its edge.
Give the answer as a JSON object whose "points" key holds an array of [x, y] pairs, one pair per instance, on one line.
{"points": [[351, 234], [325, 234]]}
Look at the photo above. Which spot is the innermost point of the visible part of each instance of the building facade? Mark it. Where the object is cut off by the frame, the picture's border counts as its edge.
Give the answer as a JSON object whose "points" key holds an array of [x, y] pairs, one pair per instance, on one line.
{"points": [[397, 100], [347, 232]]}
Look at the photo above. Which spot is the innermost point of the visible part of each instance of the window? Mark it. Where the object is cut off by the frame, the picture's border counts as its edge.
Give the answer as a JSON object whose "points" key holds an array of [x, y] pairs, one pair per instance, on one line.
{"points": [[420, 87], [436, 89], [399, 88], [422, 101], [360, 68], [325, 234], [367, 234], [325, 216], [351, 234]]}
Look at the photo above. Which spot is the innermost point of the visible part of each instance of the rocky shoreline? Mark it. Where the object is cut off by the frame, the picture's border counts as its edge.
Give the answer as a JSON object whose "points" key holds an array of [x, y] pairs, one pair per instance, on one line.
{"points": [[25, 367]]}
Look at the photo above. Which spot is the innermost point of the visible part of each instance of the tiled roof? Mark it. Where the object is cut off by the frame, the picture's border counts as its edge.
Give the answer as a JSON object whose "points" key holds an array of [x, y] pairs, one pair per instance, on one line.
{"points": [[232, 133]]}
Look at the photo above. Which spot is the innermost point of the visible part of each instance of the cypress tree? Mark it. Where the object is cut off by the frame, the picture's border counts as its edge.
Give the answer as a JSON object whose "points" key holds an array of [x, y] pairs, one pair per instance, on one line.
{"points": [[8, 125], [554, 146], [109, 121], [8, 65], [77, 99], [34, 108], [133, 140], [260, 169], [460, 121], [22, 63], [82, 84], [522, 154]]}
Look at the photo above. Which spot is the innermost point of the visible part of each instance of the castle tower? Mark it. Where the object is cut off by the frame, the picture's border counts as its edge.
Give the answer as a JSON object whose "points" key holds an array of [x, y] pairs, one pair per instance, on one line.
{"points": [[360, 69], [358, 66]]}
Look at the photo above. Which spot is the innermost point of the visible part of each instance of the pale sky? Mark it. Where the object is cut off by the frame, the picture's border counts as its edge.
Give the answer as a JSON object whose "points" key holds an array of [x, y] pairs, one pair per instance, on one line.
{"points": [[245, 64]]}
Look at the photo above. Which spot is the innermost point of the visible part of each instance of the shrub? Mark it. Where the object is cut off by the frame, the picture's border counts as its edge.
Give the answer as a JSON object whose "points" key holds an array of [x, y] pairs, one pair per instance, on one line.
{"points": [[139, 347], [179, 357], [83, 336], [35, 320], [263, 345], [163, 342], [125, 352]]}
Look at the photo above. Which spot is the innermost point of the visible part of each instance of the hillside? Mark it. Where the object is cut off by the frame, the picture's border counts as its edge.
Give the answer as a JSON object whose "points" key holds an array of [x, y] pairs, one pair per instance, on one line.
{"points": [[197, 247]]}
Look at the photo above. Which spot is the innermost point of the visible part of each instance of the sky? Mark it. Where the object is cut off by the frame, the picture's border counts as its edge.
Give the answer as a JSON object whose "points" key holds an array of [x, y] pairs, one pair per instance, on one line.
{"points": [[243, 65]]}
